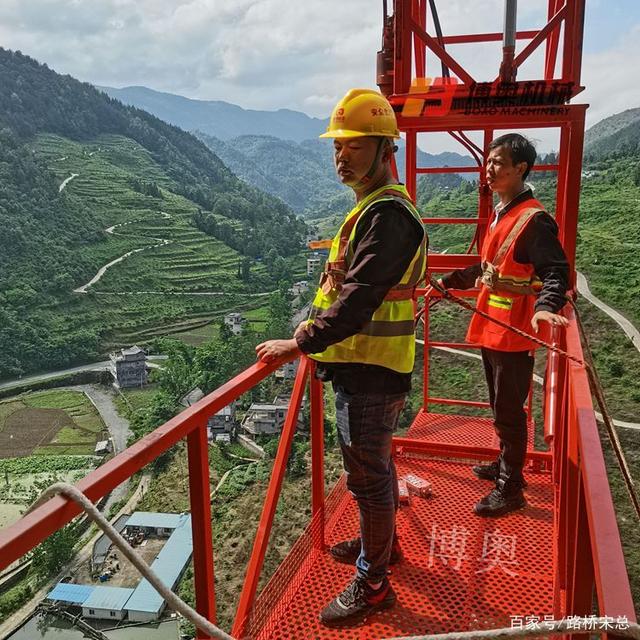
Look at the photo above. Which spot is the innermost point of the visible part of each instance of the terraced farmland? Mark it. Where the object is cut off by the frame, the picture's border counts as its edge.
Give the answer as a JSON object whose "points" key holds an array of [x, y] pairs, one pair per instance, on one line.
{"points": [[175, 276]]}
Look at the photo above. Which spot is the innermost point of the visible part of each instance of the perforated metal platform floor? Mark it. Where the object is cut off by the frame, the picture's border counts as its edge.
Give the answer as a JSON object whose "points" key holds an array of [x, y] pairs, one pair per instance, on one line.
{"points": [[455, 429], [459, 572]]}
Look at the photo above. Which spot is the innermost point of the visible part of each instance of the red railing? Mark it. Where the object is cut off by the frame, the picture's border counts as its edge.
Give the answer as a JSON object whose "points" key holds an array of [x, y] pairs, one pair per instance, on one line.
{"points": [[32, 529], [587, 545]]}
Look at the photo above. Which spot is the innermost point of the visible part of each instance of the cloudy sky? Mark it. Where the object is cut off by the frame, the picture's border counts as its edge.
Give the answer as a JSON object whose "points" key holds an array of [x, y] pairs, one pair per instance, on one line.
{"points": [[270, 54]]}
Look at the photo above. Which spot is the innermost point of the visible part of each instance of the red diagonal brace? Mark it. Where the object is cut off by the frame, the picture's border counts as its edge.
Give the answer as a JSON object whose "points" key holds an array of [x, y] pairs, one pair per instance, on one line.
{"points": [[433, 44], [261, 541]]}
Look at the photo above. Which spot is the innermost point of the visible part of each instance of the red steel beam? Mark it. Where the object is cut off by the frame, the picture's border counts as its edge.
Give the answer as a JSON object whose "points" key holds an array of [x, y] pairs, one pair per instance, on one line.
{"points": [[447, 169], [553, 390], [577, 27], [411, 144], [199, 492], [525, 117], [538, 167], [542, 35], [402, 445], [486, 37], [462, 403], [402, 48], [440, 52], [425, 352], [612, 580], [317, 456], [551, 53], [254, 568], [460, 293], [571, 205], [419, 12]]}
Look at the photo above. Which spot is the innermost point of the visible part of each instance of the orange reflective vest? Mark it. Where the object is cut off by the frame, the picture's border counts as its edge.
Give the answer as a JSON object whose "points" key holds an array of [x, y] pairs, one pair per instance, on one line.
{"points": [[508, 289]]}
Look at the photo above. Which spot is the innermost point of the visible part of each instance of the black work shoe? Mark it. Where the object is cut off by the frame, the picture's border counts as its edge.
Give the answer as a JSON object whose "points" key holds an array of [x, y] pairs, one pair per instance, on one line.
{"points": [[491, 472], [500, 501], [486, 471], [348, 551], [356, 603]]}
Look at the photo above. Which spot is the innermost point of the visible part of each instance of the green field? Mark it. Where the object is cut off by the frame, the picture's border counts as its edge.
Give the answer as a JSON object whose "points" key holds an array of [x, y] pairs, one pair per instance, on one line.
{"points": [[200, 331], [58, 422]]}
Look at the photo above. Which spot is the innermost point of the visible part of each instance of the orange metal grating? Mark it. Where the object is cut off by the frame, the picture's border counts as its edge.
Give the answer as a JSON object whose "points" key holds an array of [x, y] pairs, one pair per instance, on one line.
{"points": [[454, 429], [460, 571]]}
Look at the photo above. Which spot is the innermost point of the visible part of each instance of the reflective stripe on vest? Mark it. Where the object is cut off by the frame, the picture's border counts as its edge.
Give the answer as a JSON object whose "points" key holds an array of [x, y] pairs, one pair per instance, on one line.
{"points": [[388, 339], [500, 302], [511, 299]]}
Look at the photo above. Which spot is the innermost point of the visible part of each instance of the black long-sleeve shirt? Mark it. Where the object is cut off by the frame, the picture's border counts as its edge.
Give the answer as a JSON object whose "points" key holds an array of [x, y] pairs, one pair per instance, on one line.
{"points": [[537, 245], [387, 237]]}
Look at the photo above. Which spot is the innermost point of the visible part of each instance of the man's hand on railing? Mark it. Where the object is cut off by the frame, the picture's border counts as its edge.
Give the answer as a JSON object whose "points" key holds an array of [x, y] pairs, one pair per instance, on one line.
{"points": [[275, 349], [551, 318]]}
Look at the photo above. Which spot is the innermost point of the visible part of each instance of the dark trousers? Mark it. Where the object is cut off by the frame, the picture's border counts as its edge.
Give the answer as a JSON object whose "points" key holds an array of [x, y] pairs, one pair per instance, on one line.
{"points": [[508, 375], [365, 424]]}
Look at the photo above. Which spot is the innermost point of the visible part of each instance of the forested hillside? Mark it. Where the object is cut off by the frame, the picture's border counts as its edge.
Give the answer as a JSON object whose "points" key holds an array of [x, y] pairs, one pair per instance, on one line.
{"points": [[618, 134], [302, 173], [74, 165]]}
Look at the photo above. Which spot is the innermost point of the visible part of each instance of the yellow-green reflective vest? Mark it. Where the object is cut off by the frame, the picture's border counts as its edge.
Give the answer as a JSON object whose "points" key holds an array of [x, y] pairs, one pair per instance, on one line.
{"points": [[388, 339]]}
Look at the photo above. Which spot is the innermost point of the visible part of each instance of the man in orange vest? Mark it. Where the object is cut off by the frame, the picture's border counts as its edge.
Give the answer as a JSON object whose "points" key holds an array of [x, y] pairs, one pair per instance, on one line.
{"points": [[523, 279]]}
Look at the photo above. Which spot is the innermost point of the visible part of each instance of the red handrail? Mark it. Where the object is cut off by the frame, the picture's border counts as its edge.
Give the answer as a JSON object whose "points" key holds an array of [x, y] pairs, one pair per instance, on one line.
{"points": [[587, 544], [589, 551]]}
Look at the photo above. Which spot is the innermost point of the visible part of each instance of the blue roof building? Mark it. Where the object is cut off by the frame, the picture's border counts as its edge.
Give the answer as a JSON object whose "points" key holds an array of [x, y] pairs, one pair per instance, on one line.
{"points": [[147, 520], [142, 604], [146, 604], [107, 602], [70, 593]]}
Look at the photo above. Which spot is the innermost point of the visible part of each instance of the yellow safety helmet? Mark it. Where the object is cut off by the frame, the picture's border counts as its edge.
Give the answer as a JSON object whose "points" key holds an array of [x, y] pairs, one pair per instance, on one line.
{"points": [[362, 112]]}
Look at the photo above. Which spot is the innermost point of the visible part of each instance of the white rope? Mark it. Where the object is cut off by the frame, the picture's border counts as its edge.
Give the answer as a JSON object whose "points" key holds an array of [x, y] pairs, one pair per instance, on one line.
{"points": [[71, 492], [578, 625], [570, 627]]}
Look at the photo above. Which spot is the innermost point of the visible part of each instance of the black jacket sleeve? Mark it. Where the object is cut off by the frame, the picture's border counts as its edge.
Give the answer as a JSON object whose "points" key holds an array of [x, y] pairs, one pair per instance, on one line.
{"points": [[386, 240], [539, 245], [462, 278]]}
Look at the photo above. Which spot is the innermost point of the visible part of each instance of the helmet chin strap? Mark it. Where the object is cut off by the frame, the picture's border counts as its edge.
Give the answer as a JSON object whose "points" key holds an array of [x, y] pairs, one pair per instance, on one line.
{"points": [[366, 178]]}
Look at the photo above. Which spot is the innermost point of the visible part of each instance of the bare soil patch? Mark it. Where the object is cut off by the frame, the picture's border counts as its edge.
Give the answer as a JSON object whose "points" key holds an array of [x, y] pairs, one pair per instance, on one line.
{"points": [[27, 429]]}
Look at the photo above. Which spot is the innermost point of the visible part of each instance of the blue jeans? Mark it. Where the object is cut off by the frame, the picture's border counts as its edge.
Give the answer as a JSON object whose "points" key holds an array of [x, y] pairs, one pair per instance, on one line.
{"points": [[365, 423]]}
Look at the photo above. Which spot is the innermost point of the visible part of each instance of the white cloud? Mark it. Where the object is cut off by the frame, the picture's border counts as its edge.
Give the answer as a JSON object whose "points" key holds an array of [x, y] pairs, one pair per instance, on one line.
{"points": [[611, 78], [269, 54]]}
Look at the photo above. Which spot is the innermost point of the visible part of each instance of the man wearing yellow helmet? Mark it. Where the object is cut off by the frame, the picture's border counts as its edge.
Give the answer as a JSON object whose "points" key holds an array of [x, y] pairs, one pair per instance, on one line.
{"points": [[361, 333]]}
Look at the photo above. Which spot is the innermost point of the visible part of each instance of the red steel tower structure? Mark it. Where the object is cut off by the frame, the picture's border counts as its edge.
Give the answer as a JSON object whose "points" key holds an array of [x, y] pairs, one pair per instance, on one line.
{"points": [[561, 556]]}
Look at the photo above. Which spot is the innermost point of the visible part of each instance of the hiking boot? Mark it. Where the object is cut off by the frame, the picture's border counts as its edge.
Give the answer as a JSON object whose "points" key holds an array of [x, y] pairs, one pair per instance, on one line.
{"points": [[348, 551], [357, 602], [490, 472], [503, 499]]}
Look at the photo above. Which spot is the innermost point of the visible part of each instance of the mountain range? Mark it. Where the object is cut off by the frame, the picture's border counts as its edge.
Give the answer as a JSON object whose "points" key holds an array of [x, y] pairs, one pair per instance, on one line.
{"points": [[85, 180], [619, 133], [276, 151], [217, 118]]}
